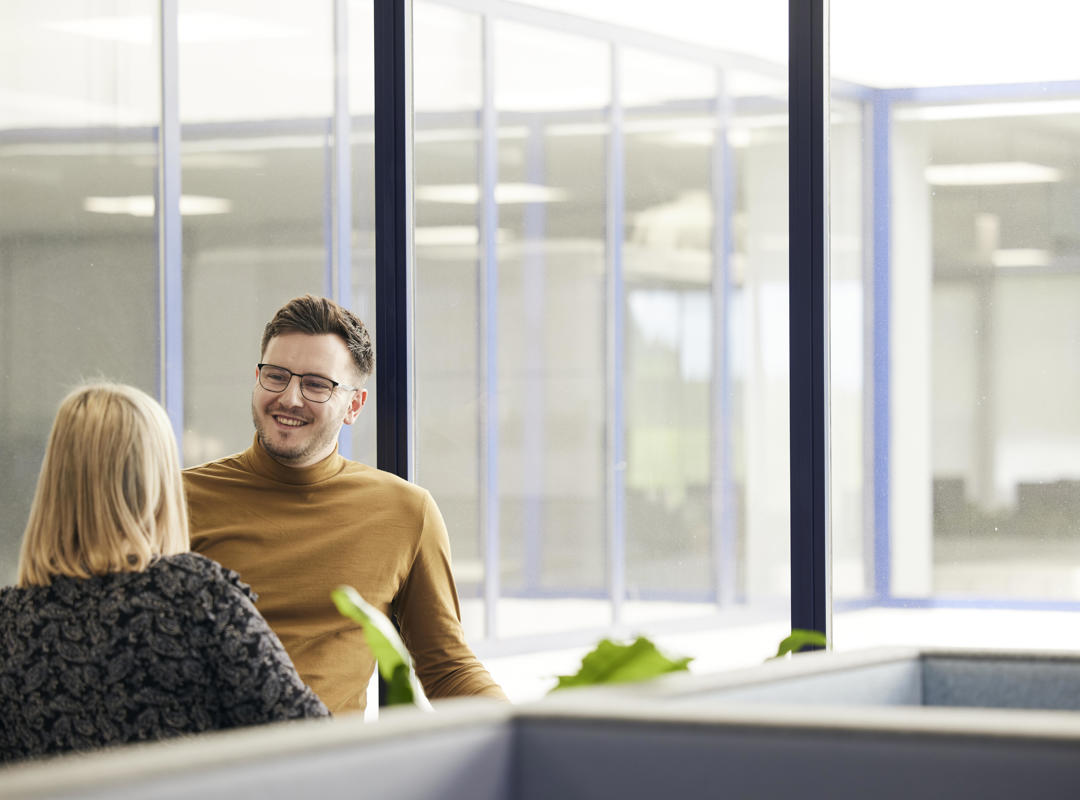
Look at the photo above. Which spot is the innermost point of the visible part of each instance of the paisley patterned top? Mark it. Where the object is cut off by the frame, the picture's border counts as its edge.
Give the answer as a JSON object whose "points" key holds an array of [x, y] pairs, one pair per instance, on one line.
{"points": [[136, 656]]}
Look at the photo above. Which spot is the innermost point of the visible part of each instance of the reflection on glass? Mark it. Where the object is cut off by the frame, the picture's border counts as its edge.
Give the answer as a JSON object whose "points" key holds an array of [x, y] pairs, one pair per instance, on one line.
{"points": [[1003, 391], [551, 324], [758, 342], [359, 261], [971, 478], [669, 267], [256, 101], [636, 305], [849, 291], [449, 393], [78, 281]]}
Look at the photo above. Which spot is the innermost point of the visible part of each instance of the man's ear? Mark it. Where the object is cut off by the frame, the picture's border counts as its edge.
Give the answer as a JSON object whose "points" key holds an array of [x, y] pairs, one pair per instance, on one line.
{"points": [[355, 405]]}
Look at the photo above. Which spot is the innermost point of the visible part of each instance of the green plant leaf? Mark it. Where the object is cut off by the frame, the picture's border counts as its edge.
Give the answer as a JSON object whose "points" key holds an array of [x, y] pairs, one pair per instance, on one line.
{"points": [[610, 662], [382, 637], [799, 639]]}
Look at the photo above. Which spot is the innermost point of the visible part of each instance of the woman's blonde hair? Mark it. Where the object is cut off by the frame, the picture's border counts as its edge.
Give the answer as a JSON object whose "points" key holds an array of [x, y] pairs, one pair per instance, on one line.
{"points": [[109, 497]]}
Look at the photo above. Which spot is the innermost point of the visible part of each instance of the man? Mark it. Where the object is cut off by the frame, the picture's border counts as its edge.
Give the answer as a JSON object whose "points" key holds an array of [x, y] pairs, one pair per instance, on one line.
{"points": [[296, 519]]}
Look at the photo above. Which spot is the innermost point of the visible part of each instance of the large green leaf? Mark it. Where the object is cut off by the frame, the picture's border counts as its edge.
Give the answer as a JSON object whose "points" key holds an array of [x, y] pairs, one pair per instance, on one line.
{"points": [[382, 637], [799, 639], [610, 662]]}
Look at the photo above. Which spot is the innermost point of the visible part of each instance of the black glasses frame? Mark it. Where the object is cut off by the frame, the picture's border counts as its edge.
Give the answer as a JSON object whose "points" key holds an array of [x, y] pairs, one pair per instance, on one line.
{"points": [[333, 384]]}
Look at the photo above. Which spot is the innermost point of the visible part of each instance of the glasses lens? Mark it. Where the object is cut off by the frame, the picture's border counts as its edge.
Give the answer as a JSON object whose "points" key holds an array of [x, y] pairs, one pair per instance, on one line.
{"points": [[274, 379], [316, 389]]}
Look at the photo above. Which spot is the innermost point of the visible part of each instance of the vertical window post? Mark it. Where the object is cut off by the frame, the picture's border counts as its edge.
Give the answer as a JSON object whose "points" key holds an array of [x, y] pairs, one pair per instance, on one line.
{"points": [[808, 285], [393, 242]]}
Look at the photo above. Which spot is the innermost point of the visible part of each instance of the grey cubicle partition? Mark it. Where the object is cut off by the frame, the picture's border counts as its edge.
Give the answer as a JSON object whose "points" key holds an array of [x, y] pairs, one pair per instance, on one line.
{"points": [[836, 726], [460, 753], [888, 677]]}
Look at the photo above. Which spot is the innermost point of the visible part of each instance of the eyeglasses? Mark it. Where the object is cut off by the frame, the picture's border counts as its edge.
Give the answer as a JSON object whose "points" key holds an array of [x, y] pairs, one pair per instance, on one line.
{"points": [[315, 388]]}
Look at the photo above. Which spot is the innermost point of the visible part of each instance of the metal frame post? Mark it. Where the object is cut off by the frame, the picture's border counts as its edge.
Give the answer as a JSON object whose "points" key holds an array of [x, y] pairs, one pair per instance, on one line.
{"points": [[808, 286], [393, 241]]}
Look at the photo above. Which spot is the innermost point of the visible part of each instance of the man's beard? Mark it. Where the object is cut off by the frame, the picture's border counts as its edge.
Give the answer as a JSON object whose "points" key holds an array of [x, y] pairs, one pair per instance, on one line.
{"points": [[289, 454]]}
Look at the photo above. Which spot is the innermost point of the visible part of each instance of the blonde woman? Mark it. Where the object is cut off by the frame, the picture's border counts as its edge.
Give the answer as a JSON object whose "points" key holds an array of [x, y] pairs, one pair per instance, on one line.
{"points": [[115, 633]]}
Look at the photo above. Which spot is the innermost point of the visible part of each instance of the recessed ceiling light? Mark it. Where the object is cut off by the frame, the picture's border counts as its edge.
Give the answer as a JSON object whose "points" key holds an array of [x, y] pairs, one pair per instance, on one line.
{"points": [[1031, 108], [1019, 257], [434, 235], [991, 173], [142, 205], [505, 193]]}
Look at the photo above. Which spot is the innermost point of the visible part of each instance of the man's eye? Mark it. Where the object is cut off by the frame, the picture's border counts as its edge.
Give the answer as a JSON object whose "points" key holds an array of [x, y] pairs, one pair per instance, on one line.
{"points": [[318, 386]]}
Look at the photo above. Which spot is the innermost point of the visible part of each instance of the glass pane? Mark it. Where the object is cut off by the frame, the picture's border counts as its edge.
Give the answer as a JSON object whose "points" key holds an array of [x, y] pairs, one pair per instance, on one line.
{"points": [[609, 418], [850, 309], [971, 468], [756, 338], [449, 397], [78, 248], [551, 328], [360, 277], [669, 266], [256, 99]]}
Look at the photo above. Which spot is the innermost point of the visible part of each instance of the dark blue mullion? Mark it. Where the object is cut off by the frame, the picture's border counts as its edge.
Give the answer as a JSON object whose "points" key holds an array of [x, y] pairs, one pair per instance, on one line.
{"points": [[392, 210], [393, 203], [808, 312], [169, 227]]}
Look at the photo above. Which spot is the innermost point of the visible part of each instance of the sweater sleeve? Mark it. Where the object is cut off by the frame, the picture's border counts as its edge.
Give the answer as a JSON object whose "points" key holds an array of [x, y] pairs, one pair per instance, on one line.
{"points": [[429, 617], [256, 680]]}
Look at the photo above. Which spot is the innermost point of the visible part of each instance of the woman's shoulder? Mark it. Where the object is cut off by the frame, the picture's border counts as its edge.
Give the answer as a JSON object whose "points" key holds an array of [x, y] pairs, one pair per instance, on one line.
{"points": [[198, 573], [169, 582]]}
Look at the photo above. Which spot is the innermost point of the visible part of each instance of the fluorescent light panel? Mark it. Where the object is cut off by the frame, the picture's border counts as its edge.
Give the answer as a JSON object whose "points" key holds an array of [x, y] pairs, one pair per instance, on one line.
{"points": [[505, 193], [1033, 108], [1019, 257], [142, 205], [991, 174], [443, 235]]}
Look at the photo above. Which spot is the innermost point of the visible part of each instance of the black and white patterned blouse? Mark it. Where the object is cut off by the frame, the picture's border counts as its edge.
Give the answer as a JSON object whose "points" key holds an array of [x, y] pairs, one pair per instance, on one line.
{"points": [[135, 656]]}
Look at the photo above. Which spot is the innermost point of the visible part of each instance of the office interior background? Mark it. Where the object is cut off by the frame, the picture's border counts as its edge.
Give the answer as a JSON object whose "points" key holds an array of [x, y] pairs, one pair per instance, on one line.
{"points": [[600, 326]]}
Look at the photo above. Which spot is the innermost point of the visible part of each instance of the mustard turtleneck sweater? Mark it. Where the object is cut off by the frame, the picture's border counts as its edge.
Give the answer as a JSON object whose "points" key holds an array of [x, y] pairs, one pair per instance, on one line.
{"points": [[294, 534]]}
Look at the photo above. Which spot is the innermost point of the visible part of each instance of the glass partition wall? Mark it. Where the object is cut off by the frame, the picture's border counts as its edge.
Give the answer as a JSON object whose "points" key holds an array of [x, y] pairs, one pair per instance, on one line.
{"points": [[601, 333], [970, 289], [600, 320], [100, 100], [78, 281]]}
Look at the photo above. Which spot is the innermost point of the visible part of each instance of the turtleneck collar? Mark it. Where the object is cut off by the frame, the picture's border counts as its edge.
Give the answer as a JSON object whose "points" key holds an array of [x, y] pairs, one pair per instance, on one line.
{"points": [[263, 464]]}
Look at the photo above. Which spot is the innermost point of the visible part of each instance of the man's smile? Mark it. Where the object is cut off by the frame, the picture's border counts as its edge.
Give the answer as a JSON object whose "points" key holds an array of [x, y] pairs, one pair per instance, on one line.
{"points": [[287, 421]]}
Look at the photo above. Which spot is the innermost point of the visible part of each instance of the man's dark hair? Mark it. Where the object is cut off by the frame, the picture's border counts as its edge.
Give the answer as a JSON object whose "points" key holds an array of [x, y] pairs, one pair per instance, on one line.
{"points": [[317, 315]]}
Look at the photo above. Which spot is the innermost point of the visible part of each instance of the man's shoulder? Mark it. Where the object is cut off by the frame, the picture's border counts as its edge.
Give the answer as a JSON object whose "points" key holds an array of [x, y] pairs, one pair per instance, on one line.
{"points": [[382, 479], [228, 465]]}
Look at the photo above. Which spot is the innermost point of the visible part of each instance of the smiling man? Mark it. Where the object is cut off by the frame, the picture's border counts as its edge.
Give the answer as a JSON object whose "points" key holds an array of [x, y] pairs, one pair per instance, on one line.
{"points": [[295, 519]]}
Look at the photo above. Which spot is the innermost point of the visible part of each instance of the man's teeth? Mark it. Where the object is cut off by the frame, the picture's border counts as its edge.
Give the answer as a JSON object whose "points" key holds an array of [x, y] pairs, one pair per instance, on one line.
{"points": [[292, 423]]}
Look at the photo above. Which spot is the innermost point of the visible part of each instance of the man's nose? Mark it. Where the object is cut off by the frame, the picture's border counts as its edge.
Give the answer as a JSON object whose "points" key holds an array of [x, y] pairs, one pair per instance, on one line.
{"points": [[291, 395]]}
